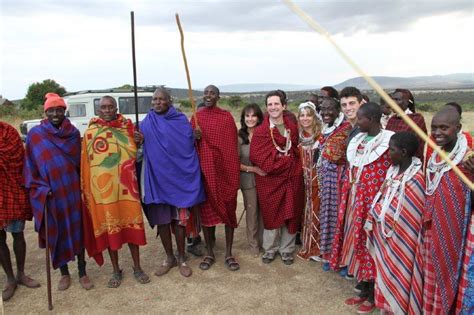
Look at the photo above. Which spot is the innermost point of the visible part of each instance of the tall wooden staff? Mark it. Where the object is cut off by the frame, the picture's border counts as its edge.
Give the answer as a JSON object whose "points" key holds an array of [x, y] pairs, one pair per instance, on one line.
{"points": [[188, 77], [48, 268], [132, 16]]}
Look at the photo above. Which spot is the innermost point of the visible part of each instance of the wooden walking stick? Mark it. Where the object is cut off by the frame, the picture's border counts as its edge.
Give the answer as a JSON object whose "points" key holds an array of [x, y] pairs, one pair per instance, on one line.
{"points": [[48, 270], [188, 77], [241, 216], [132, 17]]}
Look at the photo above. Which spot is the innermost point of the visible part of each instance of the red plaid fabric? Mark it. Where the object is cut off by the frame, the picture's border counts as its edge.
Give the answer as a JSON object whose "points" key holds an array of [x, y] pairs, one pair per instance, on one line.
{"points": [[220, 166], [396, 124], [281, 192], [14, 200]]}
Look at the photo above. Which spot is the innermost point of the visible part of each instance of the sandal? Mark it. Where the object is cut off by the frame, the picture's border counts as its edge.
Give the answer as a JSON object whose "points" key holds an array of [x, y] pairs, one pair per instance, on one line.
{"points": [[141, 276], [9, 290], [185, 270], [116, 280], [27, 281], [207, 262], [86, 284], [64, 282], [165, 267], [231, 263]]}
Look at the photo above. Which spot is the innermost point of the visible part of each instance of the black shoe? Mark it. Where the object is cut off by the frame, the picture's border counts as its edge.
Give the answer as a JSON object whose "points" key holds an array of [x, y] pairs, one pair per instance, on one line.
{"points": [[195, 250]]}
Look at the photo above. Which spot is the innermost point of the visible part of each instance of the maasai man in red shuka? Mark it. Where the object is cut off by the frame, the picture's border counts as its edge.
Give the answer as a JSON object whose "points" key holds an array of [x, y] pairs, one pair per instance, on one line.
{"points": [[14, 209], [274, 149], [393, 227], [367, 154], [217, 148], [447, 216], [112, 210], [53, 154], [404, 99]]}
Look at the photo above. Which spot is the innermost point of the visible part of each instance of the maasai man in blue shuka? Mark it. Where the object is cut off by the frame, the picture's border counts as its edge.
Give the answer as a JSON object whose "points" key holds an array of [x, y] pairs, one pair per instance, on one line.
{"points": [[171, 175], [53, 153]]}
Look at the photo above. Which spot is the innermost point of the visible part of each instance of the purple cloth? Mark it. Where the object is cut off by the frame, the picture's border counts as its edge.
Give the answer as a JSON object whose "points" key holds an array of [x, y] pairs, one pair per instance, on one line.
{"points": [[172, 172], [159, 214]]}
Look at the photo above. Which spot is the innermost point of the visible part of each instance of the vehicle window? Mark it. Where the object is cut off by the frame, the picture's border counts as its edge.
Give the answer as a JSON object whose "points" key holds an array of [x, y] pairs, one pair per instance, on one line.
{"points": [[77, 110], [127, 105], [96, 106]]}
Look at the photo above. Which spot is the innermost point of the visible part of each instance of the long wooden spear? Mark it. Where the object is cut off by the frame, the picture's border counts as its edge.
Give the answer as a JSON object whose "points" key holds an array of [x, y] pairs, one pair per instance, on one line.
{"points": [[188, 77], [318, 28], [132, 16], [48, 268]]}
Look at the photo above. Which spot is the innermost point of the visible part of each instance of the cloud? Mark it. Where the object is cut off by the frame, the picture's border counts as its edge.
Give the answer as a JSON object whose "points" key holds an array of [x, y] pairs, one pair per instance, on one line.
{"points": [[346, 17]]}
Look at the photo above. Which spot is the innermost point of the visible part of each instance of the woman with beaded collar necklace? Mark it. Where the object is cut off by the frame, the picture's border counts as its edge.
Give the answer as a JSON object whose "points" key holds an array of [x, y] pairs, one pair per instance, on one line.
{"points": [[274, 149], [448, 213], [393, 227], [309, 133], [331, 165], [367, 154]]}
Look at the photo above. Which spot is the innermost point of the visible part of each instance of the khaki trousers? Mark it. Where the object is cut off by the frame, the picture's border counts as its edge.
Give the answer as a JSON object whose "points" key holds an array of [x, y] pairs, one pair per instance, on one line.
{"points": [[253, 219], [279, 240]]}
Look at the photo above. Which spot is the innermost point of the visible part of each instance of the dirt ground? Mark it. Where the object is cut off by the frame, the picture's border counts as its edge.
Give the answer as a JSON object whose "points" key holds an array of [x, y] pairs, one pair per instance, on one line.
{"points": [[301, 288]]}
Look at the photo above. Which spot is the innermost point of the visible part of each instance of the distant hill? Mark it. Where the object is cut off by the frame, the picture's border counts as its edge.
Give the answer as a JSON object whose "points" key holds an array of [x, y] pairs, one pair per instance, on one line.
{"points": [[450, 81]]}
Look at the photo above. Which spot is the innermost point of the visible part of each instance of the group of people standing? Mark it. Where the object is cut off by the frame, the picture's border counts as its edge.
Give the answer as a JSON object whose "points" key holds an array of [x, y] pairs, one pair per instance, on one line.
{"points": [[377, 209], [345, 175]]}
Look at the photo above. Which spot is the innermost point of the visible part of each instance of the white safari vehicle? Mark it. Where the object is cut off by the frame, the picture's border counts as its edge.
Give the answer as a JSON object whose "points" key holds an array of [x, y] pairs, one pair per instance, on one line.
{"points": [[82, 106]]}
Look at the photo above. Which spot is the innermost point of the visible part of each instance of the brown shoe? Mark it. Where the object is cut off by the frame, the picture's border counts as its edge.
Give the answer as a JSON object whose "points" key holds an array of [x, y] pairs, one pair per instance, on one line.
{"points": [[64, 283], [86, 283], [9, 290], [185, 270], [27, 281], [165, 267]]}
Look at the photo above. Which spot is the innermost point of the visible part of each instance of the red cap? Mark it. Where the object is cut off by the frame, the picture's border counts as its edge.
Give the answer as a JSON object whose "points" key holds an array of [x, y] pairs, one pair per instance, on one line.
{"points": [[53, 100]]}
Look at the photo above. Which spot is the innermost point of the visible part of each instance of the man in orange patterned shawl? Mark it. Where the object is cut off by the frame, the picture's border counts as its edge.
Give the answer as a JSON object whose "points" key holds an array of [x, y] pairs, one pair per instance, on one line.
{"points": [[112, 211]]}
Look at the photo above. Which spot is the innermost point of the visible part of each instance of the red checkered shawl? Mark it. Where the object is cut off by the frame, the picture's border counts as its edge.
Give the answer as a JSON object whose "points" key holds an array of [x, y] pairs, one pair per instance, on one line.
{"points": [[14, 201], [220, 165], [280, 193]]}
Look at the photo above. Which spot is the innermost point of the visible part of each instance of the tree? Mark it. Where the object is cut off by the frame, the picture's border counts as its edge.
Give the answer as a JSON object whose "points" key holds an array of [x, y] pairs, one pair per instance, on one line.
{"points": [[36, 92], [235, 101]]}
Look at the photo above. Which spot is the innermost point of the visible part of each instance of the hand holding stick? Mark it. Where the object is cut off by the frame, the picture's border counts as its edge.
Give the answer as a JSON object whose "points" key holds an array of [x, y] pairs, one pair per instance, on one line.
{"points": [[188, 77]]}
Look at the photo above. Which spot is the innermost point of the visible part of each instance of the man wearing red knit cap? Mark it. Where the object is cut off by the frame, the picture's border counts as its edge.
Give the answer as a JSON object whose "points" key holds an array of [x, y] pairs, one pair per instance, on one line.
{"points": [[53, 154]]}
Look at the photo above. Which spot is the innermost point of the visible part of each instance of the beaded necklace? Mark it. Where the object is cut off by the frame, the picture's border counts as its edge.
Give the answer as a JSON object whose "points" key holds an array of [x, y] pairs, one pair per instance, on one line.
{"points": [[435, 170], [394, 187], [287, 144]]}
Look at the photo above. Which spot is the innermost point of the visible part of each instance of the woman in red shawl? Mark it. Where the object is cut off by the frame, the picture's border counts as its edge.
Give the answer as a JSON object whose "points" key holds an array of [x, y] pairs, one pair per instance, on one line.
{"points": [[274, 149]]}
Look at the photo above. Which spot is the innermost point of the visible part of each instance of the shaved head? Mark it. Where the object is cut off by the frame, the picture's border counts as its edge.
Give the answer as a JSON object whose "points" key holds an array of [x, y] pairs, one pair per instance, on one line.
{"points": [[448, 115]]}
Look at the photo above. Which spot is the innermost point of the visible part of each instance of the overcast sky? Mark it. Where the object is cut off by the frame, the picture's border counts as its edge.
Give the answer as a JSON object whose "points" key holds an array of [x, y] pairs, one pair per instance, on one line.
{"points": [[85, 44]]}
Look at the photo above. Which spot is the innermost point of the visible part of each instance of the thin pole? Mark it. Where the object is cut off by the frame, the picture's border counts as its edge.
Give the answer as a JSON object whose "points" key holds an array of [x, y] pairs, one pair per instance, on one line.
{"points": [[132, 16], [318, 28], [48, 270], [188, 77]]}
